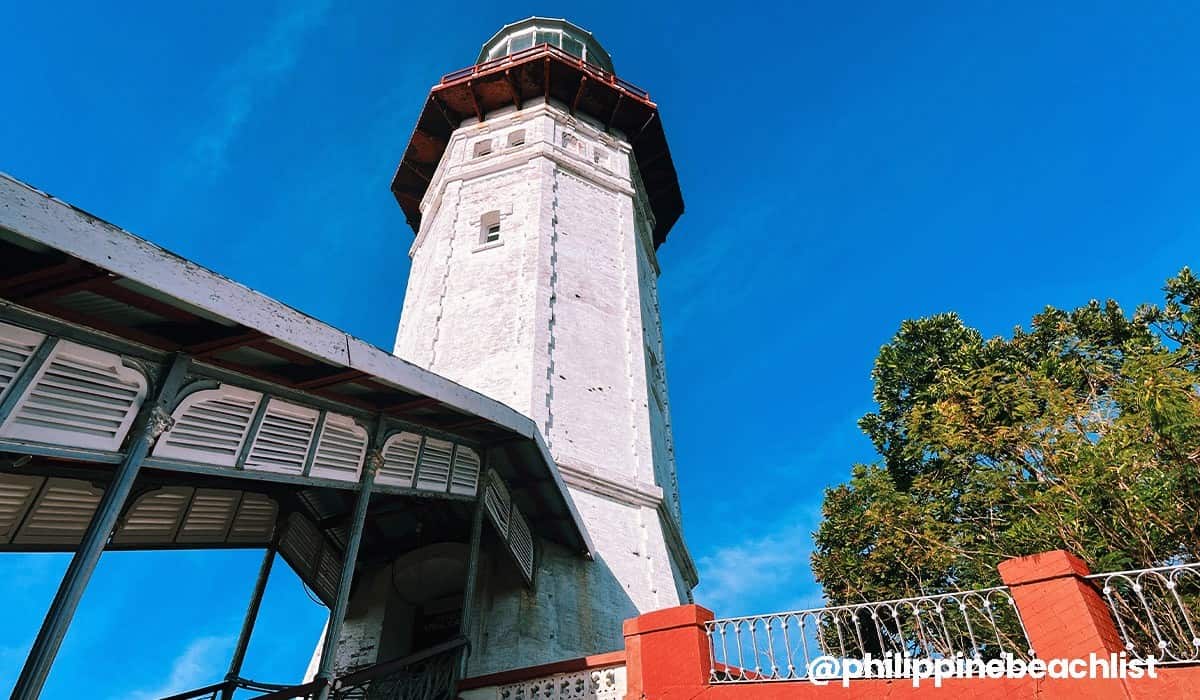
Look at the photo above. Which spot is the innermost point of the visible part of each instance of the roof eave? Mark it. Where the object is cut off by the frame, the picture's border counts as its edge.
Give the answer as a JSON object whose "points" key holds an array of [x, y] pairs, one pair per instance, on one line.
{"points": [[44, 219]]}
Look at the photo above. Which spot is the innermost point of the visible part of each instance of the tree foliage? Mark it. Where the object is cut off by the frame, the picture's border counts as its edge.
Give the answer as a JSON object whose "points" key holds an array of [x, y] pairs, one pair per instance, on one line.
{"points": [[1081, 432]]}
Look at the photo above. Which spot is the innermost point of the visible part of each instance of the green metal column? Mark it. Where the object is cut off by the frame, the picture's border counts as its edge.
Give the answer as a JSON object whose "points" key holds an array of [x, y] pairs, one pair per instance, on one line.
{"points": [[472, 581], [25, 376], [54, 627], [333, 631], [243, 642]]}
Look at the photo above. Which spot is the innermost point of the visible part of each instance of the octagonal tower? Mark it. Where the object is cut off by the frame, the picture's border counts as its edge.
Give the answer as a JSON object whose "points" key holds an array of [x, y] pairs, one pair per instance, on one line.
{"points": [[539, 186]]}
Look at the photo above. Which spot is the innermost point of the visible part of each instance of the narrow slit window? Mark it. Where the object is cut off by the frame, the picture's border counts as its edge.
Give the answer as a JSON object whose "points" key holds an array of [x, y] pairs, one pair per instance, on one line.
{"points": [[489, 227], [482, 148], [516, 138]]}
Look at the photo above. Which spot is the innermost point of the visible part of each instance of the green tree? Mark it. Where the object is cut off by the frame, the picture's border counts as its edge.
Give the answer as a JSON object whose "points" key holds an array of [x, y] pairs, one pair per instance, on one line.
{"points": [[1081, 432]]}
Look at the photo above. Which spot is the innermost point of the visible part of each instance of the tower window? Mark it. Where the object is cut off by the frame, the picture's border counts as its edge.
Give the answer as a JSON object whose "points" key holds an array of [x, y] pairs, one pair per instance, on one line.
{"points": [[482, 148], [516, 138], [570, 142], [489, 227]]}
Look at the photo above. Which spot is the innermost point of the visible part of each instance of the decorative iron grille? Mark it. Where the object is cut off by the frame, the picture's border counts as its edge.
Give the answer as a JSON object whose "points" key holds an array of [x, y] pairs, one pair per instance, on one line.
{"points": [[224, 689], [431, 674], [1157, 611], [595, 684], [428, 675], [783, 646]]}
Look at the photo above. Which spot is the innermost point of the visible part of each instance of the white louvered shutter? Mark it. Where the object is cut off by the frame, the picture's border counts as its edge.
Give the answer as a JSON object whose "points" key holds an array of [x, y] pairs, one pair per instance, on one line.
{"points": [[400, 460], [465, 476], [208, 516], [17, 345], [61, 513], [210, 426], [282, 441], [433, 471], [81, 397], [154, 517], [498, 503], [340, 450], [301, 545], [329, 573], [17, 492], [520, 540], [255, 520], [313, 559]]}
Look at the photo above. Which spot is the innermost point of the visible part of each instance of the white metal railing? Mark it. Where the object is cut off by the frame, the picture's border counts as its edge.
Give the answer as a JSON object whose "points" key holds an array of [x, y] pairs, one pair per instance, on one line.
{"points": [[784, 646], [1157, 611]]}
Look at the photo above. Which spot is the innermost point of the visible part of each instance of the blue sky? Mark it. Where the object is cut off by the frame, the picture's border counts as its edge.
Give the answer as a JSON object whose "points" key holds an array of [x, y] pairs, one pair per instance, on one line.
{"points": [[845, 166]]}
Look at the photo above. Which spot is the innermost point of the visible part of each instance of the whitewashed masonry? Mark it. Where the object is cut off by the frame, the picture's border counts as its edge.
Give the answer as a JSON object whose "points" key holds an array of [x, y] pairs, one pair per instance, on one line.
{"points": [[534, 281]]}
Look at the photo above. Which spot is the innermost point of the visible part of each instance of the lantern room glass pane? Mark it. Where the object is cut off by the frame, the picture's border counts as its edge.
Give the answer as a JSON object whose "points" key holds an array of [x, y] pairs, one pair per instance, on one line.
{"points": [[520, 42], [572, 45], [538, 31]]}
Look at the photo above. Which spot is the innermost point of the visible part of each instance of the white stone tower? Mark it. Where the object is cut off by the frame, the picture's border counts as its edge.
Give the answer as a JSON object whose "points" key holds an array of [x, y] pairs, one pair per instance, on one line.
{"points": [[534, 282]]}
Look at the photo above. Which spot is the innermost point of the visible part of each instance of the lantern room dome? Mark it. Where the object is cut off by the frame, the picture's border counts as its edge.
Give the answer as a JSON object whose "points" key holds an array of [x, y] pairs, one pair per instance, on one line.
{"points": [[518, 36]]}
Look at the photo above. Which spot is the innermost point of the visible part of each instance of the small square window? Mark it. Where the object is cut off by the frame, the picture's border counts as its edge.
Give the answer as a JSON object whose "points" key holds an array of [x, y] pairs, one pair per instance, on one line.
{"points": [[489, 227], [516, 138], [482, 148]]}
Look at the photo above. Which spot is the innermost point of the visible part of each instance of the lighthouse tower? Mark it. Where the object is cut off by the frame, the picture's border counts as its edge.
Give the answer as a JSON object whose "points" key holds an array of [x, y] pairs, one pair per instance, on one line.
{"points": [[540, 186]]}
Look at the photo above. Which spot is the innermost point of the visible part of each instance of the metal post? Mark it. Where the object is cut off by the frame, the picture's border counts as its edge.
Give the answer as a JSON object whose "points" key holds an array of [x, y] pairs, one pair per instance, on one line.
{"points": [[472, 578], [150, 425], [333, 631], [25, 376], [243, 642]]}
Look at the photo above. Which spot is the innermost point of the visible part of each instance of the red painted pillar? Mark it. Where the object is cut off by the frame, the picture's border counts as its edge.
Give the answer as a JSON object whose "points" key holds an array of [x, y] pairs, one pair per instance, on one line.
{"points": [[1062, 611], [667, 653], [1065, 617]]}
